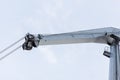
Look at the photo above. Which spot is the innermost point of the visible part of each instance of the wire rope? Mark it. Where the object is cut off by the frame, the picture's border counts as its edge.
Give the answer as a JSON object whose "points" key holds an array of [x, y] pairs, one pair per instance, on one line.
{"points": [[1, 58], [11, 45]]}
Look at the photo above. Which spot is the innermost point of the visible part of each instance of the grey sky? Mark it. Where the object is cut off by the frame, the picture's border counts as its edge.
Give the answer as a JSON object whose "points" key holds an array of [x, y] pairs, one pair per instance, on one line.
{"points": [[60, 62]]}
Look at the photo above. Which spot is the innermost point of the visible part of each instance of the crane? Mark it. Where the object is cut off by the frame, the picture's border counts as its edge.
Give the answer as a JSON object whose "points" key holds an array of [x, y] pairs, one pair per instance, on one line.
{"points": [[109, 36]]}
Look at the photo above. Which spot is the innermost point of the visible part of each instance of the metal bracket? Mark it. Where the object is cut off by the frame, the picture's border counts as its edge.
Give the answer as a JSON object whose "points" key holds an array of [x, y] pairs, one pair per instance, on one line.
{"points": [[31, 41], [107, 52], [112, 39]]}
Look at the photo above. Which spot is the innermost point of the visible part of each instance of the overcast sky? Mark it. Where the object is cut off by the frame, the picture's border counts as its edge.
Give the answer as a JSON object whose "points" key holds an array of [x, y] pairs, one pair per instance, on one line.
{"points": [[59, 62]]}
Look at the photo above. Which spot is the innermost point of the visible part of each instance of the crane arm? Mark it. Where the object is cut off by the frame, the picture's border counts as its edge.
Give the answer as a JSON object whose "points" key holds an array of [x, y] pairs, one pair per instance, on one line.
{"points": [[69, 38], [102, 35]]}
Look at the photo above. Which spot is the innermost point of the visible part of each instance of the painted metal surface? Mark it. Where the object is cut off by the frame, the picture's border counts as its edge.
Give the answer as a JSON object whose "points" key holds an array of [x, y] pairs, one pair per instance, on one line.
{"points": [[87, 36]]}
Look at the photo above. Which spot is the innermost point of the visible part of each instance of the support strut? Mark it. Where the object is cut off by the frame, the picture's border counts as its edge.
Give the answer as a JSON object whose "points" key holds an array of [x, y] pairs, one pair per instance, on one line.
{"points": [[114, 62], [114, 73]]}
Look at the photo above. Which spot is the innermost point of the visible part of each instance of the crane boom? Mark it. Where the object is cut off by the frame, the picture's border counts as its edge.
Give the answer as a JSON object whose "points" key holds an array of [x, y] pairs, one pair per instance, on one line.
{"points": [[87, 36], [69, 38]]}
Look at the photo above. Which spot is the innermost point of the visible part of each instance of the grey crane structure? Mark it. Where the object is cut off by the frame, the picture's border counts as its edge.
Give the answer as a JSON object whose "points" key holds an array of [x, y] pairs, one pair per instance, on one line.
{"points": [[109, 36]]}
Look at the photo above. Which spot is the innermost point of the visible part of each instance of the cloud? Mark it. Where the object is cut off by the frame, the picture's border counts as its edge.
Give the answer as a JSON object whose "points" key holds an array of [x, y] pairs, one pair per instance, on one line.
{"points": [[48, 54]]}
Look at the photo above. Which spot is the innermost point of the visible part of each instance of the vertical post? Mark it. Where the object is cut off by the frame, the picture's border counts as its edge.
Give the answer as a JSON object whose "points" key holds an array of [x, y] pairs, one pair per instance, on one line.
{"points": [[114, 73]]}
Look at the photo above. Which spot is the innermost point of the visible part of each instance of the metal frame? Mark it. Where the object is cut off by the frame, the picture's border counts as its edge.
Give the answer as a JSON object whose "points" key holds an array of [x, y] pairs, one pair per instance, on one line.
{"points": [[114, 73]]}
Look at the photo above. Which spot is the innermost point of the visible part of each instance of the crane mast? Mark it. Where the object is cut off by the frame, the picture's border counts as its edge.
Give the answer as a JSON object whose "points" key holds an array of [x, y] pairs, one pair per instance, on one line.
{"points": [[109, 36]]}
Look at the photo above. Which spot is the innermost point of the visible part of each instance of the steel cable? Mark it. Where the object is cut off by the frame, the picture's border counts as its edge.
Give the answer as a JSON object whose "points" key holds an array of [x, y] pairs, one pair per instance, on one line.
{"points": [[1, 58], [11, 45]]}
